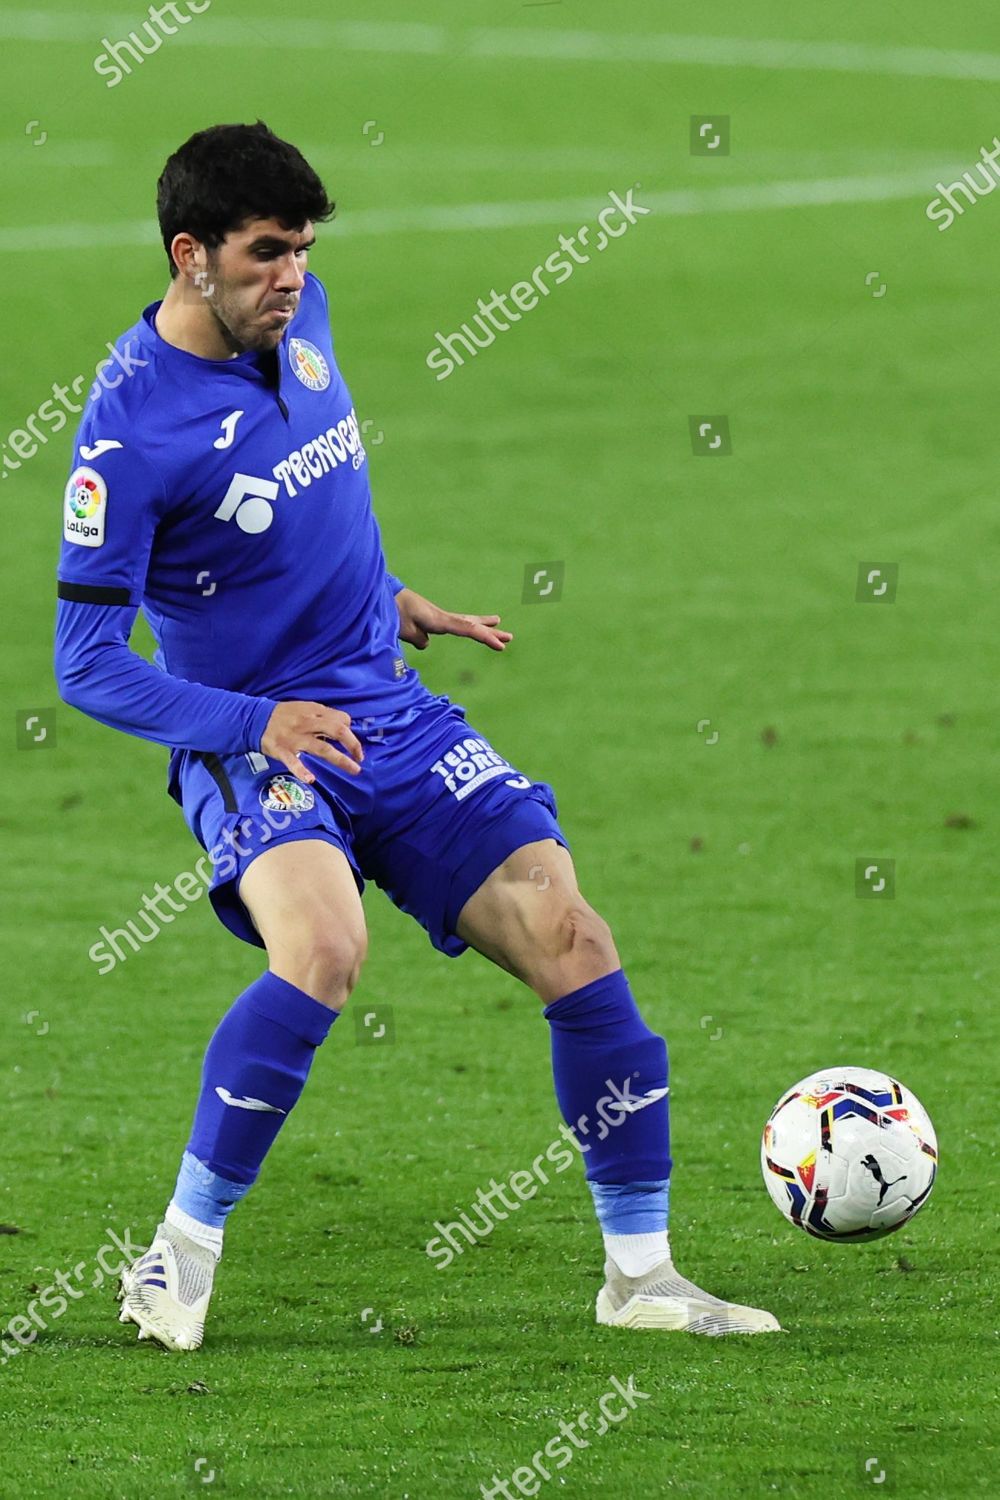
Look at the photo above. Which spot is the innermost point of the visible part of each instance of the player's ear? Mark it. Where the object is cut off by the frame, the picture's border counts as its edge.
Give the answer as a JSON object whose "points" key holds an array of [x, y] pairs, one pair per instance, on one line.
{"points": [[189, 255], [195, 280]]}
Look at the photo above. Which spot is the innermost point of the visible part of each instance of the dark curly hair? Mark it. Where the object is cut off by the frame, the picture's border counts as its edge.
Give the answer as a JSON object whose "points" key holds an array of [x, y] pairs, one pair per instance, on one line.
{"points": [[227, 174]]}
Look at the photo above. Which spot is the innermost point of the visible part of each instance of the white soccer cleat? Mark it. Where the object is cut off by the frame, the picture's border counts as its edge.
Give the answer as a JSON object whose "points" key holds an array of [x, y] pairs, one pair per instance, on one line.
{"points": [[663, 1299], [167, 1291]]}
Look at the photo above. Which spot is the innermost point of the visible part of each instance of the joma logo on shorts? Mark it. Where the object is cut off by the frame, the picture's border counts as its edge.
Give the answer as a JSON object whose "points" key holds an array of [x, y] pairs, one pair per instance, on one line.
{"points": [[471, 763]]}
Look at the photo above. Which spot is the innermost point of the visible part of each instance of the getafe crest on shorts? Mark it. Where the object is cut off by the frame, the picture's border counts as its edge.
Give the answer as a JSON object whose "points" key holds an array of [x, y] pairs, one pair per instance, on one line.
{"points": [[308, 364], [285, 794]]}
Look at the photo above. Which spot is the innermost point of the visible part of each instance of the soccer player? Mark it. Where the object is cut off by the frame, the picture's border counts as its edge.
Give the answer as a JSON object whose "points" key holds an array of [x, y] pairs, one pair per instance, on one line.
{"points": [[221, 483]]}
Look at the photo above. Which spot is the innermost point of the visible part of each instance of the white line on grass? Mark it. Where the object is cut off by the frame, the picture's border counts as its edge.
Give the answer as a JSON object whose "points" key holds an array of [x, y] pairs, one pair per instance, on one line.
{"points": [[431, 218], [486, 44], [57, 154], [739, 52]]}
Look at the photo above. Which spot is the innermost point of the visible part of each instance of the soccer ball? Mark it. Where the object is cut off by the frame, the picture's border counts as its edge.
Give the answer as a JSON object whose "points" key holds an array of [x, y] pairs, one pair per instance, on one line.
{"points": [[849, 1154]]}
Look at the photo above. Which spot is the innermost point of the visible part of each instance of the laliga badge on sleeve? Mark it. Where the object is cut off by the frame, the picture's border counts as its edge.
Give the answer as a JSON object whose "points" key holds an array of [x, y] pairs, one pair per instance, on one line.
{"points": [[85, 508]]}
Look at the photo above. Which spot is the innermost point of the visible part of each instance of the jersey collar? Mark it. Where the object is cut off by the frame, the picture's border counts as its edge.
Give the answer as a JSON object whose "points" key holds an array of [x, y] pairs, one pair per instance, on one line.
{"points": [[245, 365]]}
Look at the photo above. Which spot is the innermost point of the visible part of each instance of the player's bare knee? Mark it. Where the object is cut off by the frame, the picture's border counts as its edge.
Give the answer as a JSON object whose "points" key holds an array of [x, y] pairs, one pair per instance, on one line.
{"points": [[336, 959], [325, 964]]}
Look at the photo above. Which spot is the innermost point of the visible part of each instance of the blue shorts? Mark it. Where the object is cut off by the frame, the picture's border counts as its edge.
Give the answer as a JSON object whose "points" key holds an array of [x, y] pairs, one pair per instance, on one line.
{"points": [[434, 811]]}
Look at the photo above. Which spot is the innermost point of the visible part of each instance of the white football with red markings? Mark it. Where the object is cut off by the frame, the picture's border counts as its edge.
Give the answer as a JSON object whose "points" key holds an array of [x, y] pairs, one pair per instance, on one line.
{"points": [[849, 1154]]}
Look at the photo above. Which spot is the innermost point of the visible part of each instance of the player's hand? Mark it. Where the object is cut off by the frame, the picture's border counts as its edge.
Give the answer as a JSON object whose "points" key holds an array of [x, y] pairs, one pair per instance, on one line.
{"points": [[420, 619], [297, 729]]}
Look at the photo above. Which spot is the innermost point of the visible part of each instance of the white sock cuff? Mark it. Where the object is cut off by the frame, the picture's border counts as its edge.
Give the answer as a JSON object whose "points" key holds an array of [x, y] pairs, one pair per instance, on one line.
{"points": [[635, 1254], [208, 1236]]}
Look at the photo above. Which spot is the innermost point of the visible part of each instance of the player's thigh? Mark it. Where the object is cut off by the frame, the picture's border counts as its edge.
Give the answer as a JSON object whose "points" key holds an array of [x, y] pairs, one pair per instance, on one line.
{"points": [[529, 916], [304, 901]]}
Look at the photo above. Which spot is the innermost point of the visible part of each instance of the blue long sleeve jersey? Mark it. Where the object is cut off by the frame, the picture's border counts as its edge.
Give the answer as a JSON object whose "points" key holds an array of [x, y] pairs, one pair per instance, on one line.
{"points": [[230, 500]]}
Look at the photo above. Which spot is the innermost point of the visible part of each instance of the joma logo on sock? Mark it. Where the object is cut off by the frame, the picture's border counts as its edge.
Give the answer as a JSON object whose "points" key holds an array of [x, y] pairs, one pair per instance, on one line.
{"points": [[629, 1105], [614, 1107], [259, 1104]]}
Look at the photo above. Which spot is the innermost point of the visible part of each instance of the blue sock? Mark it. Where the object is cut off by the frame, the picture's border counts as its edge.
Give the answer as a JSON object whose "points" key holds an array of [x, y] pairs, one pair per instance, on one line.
{"points": [[202, 1197], [255, 1069], [632, 1207], [606, 1064]]}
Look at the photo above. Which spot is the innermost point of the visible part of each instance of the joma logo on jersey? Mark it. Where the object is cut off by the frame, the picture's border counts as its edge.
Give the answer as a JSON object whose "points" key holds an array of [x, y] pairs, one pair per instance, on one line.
{"points": [[471, 763]]}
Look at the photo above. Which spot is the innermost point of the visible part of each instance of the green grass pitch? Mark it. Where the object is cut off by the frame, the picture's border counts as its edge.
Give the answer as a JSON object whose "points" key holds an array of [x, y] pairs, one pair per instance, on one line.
{"points": [[852, 346]]}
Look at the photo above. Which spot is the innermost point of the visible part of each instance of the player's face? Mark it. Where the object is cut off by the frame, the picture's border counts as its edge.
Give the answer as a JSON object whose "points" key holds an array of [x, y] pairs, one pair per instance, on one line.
{"points": [[257, 275]]}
